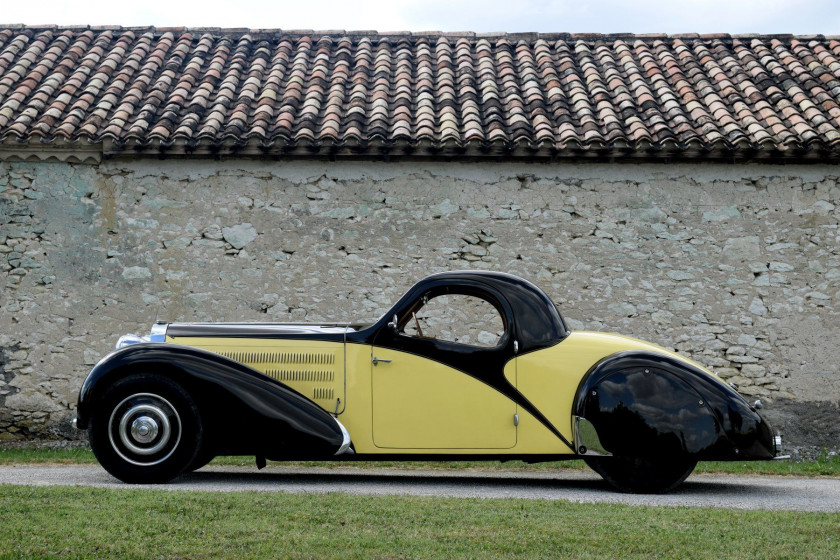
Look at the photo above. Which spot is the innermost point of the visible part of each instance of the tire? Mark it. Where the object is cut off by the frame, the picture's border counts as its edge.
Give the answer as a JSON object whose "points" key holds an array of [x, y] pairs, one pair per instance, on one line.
{"points": [[638, 475], [202, 458], [146, 429]]}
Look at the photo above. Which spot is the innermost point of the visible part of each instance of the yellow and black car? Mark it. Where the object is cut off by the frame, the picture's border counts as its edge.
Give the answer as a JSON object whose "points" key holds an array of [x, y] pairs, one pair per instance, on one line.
{"points": [[469, 364]]}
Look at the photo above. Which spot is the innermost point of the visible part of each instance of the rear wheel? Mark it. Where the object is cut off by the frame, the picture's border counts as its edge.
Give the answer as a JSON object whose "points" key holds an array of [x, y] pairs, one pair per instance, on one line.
{"points": [[641, 475], [146, 429]]}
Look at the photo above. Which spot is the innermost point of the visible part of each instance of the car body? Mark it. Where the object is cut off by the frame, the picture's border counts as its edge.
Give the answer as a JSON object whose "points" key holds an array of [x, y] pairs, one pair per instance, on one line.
{"points": [[467, 364]]}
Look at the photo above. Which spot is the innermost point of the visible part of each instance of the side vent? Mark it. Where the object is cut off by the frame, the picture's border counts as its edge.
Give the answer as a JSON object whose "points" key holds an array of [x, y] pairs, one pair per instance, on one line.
{"points": [[307, 358], [316, 371], [323, 376], [323, 393]]}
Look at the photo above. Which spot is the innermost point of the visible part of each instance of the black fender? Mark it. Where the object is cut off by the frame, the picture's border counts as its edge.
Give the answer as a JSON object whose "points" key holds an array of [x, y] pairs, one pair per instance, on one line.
{"points": [[648, 404], [246, 412]]}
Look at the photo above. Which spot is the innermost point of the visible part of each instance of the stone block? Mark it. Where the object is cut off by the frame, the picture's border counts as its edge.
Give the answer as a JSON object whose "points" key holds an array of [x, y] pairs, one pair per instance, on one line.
{"points": [[742, 359], [753, 370], [239, 235], [742, 249], [136, 273]]}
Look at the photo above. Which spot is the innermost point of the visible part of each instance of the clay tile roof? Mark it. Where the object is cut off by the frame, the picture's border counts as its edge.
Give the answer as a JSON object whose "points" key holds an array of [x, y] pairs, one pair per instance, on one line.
{"points": [[425, 94]]}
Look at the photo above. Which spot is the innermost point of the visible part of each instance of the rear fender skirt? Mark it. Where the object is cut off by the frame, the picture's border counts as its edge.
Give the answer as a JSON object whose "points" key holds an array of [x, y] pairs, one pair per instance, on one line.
{"points": [[246, 411], [648, 404]]}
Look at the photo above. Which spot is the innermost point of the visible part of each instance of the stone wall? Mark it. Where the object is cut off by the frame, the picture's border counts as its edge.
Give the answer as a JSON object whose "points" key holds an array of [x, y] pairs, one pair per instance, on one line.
{"points": [[735, 265]]}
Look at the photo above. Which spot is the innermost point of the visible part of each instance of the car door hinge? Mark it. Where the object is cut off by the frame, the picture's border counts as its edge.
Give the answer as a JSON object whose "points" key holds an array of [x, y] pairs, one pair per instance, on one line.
{"points": [[516, 347], [516, 419]]}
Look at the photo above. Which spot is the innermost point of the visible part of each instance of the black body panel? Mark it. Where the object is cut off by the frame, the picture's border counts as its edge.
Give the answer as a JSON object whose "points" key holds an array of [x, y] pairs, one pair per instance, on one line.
{"points": [[651, 405], [246, 412]]}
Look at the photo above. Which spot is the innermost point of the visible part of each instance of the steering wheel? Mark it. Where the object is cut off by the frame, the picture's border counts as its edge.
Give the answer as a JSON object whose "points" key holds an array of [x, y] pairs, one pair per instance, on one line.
{"points": [[417, 323]]}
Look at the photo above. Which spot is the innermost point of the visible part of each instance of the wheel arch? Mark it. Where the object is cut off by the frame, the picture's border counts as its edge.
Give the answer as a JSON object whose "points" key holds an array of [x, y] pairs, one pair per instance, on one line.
{"points": [[654, 404], [240, 403]]}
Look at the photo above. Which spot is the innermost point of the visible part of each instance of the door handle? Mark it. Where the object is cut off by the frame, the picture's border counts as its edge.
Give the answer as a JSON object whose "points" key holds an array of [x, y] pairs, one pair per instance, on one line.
{"points": [[377, 360]]}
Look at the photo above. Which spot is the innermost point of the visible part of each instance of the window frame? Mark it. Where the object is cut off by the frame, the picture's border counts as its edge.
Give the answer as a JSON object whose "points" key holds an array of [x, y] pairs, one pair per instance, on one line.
{"points": [[461, 290]]}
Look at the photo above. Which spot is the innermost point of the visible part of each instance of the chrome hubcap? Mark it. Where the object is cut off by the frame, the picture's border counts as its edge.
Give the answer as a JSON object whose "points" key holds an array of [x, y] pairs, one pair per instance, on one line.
{"points": [[144, 429]]}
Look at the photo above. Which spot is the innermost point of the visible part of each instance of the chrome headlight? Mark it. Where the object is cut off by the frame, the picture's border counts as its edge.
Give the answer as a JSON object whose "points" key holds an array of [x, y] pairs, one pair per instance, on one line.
{"points": [[129, 339], [158, 333]]}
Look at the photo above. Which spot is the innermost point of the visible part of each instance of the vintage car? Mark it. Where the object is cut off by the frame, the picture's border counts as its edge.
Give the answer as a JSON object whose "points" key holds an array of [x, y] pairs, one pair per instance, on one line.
{"points": [[467, 365]]}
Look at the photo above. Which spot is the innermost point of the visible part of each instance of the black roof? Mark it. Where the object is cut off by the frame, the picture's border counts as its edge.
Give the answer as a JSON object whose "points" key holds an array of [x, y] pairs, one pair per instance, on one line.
{"points": [[538, 323]]}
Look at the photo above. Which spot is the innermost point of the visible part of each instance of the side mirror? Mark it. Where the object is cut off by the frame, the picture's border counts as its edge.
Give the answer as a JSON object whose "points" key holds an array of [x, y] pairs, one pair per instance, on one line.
{"points": [[393, 324]]}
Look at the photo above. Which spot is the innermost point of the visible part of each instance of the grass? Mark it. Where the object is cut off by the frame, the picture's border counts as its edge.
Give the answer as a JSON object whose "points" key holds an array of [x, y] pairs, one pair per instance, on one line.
{"points": [[70, 522], [824, 465], [46, 455]]}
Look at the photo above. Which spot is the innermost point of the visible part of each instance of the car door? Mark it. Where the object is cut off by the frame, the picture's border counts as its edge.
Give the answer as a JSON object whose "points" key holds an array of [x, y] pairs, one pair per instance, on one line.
{"points": [[443, 373]]}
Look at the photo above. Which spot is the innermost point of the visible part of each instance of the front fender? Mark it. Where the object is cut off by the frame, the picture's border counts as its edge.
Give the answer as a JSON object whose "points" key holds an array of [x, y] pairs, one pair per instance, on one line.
{"points": [[248, 411], [649, 404]]}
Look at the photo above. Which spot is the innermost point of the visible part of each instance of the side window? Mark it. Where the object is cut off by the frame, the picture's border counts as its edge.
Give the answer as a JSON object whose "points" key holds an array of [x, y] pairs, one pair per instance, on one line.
{"points": [[459, 318]]}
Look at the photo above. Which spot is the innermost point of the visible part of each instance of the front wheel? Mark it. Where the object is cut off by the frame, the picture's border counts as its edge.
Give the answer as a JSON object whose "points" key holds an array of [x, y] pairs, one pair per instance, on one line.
{"points": [[145, 429], [640, 475]]}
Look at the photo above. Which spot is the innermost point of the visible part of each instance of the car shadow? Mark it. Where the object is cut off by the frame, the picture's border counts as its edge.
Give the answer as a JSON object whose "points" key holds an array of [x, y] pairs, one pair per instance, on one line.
{"points": [[401, 477], [425, 481]]}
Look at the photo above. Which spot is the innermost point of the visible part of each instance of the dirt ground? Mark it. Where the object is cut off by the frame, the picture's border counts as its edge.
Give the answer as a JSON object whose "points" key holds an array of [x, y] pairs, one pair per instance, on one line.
{"points": [[807, 428]]}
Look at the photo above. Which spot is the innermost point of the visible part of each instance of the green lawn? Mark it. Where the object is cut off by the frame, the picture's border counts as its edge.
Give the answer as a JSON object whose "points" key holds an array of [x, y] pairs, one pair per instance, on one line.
{"points": [[70, 522], [823, 466]]}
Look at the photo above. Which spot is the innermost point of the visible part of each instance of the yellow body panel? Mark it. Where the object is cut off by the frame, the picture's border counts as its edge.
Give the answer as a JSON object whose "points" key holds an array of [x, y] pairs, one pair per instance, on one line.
{"points": [[314, 369], [422, 404], [416, 405], [357, 416], [549, 378]]}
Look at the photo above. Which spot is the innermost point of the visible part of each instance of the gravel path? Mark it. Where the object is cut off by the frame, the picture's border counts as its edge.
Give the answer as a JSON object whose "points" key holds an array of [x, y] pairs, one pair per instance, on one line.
{"points": [[736, 492]]}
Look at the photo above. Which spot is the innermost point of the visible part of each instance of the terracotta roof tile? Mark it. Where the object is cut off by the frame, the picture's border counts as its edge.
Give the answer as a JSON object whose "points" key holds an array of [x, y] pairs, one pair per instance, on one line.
{"points": [[556, 93]]}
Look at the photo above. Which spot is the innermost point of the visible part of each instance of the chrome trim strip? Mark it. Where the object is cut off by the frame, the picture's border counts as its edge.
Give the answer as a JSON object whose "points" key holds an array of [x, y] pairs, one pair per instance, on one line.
{"points": [[344, 373], [587, 441], [777, 447], [345, 445], [277, 328]]}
